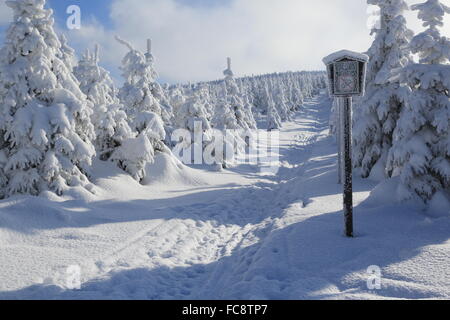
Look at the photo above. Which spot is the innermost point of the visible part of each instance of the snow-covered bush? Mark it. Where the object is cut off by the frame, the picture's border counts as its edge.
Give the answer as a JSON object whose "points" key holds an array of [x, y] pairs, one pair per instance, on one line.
{"points": [[133, 155], [45, 124]]}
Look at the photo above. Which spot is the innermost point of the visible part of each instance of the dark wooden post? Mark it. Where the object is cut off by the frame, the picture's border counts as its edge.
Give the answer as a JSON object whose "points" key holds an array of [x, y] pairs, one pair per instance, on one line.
{"points": [[347, 76], [348, 179], [339, 137]]}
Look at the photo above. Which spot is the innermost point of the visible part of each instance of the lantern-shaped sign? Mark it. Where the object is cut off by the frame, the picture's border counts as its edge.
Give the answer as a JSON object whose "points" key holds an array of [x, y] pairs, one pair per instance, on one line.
{"points": [[346, 73]]}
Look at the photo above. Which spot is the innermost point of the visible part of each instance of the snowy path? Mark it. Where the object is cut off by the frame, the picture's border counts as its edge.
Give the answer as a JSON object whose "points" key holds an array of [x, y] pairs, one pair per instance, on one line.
{"points": [[240, 235]]}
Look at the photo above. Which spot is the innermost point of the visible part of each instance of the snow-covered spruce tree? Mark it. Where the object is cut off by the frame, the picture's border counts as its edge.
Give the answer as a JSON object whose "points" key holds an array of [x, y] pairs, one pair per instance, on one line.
{"points": [[176, 98], [45, 124], [305, 85], [281, 103], [421, 151], [192, 116], [160, 95], [243, 114], [248, 112], [67, 54], [143, 109], [224, 117], [225, 124], [264, 97], [376, 114], [108, 117], [190, 112], [115, 141], [206, 99], [295, 95], [273, 118]]}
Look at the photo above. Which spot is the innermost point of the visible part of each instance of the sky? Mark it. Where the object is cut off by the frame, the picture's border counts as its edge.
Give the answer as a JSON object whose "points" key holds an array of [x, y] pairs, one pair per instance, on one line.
{"points": [[192, 38]]}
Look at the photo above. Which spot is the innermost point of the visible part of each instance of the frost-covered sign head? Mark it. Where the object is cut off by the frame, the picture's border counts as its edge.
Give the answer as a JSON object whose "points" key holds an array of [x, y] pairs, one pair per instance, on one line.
{"points": [[346, 73]]}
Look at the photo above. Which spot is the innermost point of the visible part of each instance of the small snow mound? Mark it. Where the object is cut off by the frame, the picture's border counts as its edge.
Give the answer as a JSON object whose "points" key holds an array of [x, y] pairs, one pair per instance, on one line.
{"points": [[168, 170], [439, 205], [378, 173], [384, 193]]}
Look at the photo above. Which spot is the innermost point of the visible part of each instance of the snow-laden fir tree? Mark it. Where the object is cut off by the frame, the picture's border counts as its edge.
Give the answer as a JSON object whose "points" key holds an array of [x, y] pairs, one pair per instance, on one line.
{"points": [[176, 98], [243, 114], [159, 94], [263, 97], [224, 117], [192, 117], [295, 95], [143, 109], [248, 112], [204, 95], [115, 140], [376, 114], [421, 151], [306, 85], [226, 125], [273, 118], [281, 103], [108, 117], [190, 112], [45, 124], [67, 54]]}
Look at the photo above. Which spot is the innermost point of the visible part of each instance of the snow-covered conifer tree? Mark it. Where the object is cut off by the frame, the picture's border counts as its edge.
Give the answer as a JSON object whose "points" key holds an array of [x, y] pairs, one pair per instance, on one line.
{"points": [[243, 114], [376, 114], [143, 109], [273, 118], [421, 152], [44, 117], [192, 116], [295, 95], [176, 98], [108, 117], [67, 54], [281, 103], [224, 117], [206, 99]]}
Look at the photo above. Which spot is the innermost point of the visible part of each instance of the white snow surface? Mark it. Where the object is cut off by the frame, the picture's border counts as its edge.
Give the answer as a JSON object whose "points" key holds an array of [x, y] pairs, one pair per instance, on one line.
{"points": [[345, 54], [197, 234]]}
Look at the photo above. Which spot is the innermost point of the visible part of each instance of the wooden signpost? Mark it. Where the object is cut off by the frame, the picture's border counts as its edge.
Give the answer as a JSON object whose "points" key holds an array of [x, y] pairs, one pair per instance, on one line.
{"points": [[347, 77]]}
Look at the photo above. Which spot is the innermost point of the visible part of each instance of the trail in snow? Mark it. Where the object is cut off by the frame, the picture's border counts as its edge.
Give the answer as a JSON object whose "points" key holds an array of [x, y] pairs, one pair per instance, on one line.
{"points": [[247, 237]]}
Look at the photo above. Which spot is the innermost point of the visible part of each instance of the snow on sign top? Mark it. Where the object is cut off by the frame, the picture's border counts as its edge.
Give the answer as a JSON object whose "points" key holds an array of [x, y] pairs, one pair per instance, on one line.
{"points": [[345, 54]]}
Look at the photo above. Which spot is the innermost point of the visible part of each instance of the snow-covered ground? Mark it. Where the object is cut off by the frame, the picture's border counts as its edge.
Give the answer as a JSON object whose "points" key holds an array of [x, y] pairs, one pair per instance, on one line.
{"points": [[198, 234]]}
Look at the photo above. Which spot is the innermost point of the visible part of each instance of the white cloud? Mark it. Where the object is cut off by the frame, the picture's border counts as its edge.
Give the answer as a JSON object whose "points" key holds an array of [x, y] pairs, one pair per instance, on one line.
{"points": [[260, 35], [191, 43]]}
